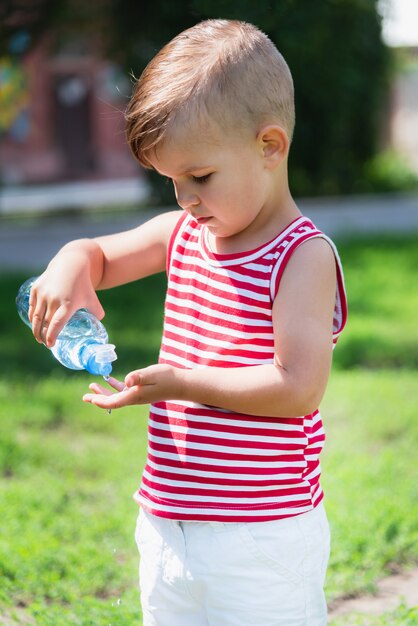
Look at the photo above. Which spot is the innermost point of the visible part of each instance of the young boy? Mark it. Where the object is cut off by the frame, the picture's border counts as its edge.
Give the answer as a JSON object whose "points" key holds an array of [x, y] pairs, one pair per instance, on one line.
{"points": [[232, 529]]}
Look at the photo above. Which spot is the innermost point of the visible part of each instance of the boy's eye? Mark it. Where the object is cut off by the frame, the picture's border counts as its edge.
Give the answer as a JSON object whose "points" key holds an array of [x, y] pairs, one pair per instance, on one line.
{"points": [[201, 179]]}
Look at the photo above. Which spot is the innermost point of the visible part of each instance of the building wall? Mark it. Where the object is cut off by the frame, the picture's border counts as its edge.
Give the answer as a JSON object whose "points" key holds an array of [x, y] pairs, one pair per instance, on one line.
{"points": [[70, 125], [404, 116]]}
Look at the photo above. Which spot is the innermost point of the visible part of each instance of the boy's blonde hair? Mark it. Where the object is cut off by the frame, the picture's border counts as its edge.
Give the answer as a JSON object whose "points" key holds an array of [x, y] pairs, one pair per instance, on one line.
{"points": [[223, 70]]}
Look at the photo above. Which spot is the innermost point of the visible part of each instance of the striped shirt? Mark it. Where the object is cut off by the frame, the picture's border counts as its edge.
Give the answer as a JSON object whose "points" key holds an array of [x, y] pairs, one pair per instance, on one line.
{"points": [[209, 464]]}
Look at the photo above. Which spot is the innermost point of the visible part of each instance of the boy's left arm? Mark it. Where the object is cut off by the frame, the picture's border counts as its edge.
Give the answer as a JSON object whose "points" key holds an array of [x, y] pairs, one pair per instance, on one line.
{"points": [[302, 316]]}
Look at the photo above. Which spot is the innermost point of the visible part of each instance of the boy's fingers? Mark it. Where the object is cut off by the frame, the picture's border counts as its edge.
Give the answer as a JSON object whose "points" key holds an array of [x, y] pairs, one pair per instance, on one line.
{"points": [[96, 308], [99, 390], [110, 400], [42, 322], [38, 321], [105, 400], [115, 383], [32, 302], [96, 388], [97, 398], [31, 310], [138, 377], [57, 322]]}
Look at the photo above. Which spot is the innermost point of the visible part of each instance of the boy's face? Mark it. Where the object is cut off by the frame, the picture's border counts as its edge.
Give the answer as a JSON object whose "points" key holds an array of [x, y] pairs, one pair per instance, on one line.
{"points": [[221, 181]]}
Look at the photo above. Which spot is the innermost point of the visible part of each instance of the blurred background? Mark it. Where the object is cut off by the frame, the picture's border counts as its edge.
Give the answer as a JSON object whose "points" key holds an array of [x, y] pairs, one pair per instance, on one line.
{"points": [[67, 69], [67, 471]]}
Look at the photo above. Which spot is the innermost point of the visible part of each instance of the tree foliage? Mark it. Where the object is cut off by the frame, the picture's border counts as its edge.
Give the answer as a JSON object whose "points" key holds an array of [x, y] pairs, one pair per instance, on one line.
{"points": [[334, 49], [338, 60]]}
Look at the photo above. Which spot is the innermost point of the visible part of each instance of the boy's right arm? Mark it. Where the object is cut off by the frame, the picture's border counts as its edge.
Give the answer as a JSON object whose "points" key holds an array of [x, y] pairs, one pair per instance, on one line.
{"points": [[83, 266]]}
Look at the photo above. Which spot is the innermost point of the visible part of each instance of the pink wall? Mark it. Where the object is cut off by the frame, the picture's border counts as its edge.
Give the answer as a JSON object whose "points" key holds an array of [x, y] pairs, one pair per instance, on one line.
{"points": [[42, 153]]}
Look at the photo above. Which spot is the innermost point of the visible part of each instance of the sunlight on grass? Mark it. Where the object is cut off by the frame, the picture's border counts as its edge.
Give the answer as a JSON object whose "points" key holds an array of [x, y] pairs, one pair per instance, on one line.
{"points": [[67, 486], [66, 500], [402, 616], [68, 470], [369, 480], [383, 300]]}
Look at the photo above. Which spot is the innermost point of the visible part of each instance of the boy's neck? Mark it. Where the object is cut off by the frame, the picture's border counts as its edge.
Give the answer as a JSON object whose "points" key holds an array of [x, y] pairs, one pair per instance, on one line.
{"points": [[269, 223]]}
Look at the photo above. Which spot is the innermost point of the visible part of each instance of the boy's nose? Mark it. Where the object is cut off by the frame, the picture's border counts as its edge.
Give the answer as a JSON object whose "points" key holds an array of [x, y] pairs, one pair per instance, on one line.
{"points": [[188, 201], [186, 196]]}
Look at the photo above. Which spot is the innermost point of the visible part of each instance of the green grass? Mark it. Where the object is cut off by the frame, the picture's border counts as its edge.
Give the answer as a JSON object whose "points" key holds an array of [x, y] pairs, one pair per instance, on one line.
{"points": [[134, 316], [381, 276], [370, 475], [68, 470], [402, 616], [66, 551]]}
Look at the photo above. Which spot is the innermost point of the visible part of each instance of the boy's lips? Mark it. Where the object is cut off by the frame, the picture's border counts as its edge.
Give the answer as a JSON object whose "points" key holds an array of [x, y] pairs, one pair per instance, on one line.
{"points": [[202, 220]]}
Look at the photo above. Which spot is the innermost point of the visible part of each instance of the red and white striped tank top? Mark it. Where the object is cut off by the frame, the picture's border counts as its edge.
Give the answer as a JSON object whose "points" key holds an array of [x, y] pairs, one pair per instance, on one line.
{"points": [[210, 464]]}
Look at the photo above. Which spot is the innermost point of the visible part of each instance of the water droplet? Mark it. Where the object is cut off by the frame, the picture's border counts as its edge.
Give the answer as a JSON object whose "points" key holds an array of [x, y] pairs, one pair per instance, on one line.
{"points": [[108, 411]]}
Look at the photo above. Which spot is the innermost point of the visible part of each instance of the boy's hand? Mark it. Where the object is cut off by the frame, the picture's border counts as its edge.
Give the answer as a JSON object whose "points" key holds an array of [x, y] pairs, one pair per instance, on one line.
{"points": [[48, 316], [151, 384], [54, 297]]}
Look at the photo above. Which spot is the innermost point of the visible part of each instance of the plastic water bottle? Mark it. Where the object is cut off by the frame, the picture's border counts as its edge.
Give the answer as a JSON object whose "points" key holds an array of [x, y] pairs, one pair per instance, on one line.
{"points": [[81, 344]]}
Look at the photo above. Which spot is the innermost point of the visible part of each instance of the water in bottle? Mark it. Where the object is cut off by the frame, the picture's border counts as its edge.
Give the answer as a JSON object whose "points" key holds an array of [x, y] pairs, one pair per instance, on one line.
{"points": [[81, 344]]}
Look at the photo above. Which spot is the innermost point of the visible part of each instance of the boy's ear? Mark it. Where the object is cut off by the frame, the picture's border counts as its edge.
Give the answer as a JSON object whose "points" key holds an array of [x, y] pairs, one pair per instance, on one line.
{"points": [[273, 144]]}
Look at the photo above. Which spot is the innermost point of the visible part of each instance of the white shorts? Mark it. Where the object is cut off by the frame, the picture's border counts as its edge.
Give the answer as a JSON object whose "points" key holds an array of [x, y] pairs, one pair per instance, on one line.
{"points": [[229, 574]]}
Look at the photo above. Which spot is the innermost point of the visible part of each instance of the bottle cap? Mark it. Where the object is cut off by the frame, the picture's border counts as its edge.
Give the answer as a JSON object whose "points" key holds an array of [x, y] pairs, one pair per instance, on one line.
{"points": [[97, 358], [105, 353]]}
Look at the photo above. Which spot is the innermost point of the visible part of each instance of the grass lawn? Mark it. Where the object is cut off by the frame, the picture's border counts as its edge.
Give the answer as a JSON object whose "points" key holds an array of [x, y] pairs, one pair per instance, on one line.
{"points": [[402, 616], [68, 470]]}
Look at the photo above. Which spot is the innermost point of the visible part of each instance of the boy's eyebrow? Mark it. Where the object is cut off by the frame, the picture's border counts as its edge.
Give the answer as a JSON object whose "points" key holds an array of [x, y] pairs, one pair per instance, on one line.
{"points": [[191, 168]]}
